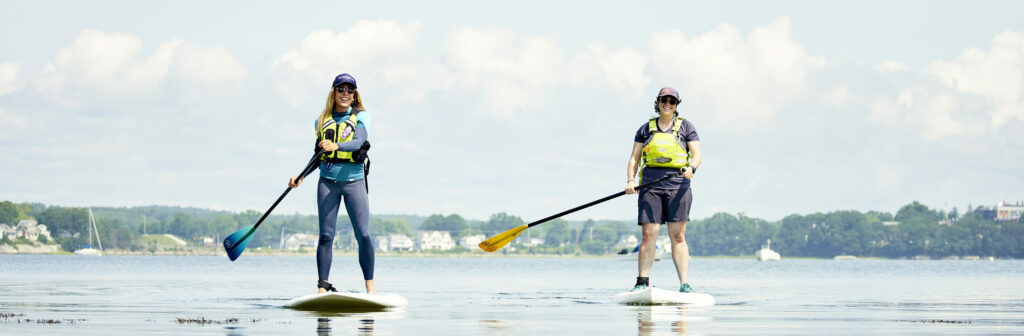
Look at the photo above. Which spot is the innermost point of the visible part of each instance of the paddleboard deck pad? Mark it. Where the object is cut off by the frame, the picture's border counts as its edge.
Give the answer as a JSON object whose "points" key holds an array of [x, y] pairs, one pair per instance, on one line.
{"points": [[347, 301], [657, 296]]}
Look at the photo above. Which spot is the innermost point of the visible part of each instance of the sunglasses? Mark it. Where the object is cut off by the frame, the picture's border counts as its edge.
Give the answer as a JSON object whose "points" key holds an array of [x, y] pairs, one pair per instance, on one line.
{"points": [[668, 100], [343, 89]]}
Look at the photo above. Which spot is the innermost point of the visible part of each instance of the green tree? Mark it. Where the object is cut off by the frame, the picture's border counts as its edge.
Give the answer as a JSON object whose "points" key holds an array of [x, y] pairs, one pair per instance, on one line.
{"points": [[606, 234], [65, 221], [500, 222], [8, 213], [557, 232], [722, 234], [382, 227], [453, 223]]}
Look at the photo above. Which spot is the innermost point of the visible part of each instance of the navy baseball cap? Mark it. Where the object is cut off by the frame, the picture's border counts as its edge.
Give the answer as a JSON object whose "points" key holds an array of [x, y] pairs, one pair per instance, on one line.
{"points": [[344, 78], [665, 91]]}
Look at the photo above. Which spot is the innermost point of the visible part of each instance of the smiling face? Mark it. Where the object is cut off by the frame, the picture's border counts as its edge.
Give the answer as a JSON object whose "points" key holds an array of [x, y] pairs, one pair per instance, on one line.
{"points": [[343, 97], [667, 104]]}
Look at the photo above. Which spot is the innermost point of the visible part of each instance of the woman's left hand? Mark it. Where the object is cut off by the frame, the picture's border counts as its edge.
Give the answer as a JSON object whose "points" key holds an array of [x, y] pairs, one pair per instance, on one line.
{"points": [[687, 172], [328, 146]]}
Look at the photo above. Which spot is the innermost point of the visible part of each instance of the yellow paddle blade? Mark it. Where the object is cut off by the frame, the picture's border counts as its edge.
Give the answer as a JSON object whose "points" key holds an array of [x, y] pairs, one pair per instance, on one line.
{"points": [[498, 241]]}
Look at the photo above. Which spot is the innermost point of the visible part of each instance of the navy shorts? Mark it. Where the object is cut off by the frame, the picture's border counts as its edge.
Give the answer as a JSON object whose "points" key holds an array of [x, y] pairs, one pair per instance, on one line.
{"points": [[660, 206]]}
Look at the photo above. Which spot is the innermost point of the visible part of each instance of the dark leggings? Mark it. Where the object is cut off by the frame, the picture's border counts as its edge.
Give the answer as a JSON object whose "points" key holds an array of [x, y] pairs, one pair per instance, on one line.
{"points": [[328, 198]]}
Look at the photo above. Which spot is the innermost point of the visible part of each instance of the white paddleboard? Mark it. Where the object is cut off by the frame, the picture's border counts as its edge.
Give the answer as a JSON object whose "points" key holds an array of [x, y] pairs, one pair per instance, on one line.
{"points": [[347, 301], [658, 296]]}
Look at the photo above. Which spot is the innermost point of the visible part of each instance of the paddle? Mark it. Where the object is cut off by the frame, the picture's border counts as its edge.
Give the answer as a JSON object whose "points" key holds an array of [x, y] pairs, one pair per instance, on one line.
{"points": [[235, 243], [500, 240]]}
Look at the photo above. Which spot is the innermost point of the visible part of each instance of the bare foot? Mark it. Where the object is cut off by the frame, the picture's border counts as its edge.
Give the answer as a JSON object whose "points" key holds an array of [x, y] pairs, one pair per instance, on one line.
{"points": [[321, 291], [370, 289]]}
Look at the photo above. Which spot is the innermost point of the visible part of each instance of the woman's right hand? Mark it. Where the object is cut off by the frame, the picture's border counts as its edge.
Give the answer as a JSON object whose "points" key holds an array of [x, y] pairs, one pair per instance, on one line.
{"points": [[293, 182], [630, 187]]}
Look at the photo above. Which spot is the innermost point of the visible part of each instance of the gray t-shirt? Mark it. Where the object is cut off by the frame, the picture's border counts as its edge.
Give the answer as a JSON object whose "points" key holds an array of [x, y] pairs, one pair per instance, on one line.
{"points": [[686, 133]]}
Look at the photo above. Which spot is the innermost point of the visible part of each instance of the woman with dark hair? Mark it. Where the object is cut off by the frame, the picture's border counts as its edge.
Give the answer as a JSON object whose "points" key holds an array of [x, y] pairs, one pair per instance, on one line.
{"points": [[343, 143], [666, 144]]}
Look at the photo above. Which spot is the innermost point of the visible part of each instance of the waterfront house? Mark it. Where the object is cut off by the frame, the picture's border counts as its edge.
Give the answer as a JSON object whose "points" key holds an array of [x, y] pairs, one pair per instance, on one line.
{"points": [[531, 242], [434, 240], [28, 229], [395, 242], [471, 242], [299, 240], [627, 241], [400, 242], [1009, 212]]}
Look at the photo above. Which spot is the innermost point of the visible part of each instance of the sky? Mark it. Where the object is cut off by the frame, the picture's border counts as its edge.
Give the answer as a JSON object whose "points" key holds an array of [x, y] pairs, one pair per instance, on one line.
{"points": [[527, 107]]}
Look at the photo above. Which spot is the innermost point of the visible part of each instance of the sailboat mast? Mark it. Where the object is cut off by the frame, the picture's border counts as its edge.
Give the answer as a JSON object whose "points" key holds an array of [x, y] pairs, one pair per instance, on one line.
{"points": [[92, 222], [88, 228]]}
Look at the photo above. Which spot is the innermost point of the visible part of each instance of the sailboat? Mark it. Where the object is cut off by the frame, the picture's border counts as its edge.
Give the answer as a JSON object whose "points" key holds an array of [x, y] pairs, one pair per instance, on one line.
{"points": [[632, 255], [88, 250], [766, 253]]}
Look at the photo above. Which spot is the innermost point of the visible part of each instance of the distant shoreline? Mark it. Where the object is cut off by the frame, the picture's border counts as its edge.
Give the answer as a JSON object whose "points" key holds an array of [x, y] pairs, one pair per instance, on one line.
{"points": [[311, 254]]}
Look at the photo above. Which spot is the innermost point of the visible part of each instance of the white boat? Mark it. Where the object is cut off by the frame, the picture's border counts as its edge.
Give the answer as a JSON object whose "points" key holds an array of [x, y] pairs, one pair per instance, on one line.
{"points": [[89, 251], [634, 253], [766, 253]]}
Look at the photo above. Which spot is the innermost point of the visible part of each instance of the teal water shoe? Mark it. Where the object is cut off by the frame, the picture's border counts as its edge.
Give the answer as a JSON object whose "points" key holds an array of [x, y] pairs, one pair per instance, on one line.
{"points": [[639, 287], [685, 288]]}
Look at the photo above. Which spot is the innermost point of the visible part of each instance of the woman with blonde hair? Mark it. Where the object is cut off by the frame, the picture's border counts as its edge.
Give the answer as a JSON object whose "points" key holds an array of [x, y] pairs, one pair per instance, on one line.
{"points": [[342, 131]]}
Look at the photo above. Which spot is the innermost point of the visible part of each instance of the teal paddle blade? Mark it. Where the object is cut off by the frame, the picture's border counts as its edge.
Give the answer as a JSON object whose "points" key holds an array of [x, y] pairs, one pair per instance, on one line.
{"points": [[235, 243]]}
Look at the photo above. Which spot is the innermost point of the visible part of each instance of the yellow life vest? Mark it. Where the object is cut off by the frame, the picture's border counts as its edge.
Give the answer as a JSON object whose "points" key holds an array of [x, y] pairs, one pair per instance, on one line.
{"points": [[337, 130], [665, 149]]}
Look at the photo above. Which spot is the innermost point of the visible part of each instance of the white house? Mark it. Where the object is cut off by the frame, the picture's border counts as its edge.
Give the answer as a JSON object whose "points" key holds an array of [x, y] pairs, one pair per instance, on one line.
{"points": [[400, 243], [627, 241], [29, 229], [6, 231], [435, 240], [471, 242], [1009, 212], [298, 240], [530, 242]]}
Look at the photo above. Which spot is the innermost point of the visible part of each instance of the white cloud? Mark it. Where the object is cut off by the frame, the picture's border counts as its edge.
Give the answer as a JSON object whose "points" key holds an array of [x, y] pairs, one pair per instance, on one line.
{"points": [[622, 70], [204, 69], [997, 75], [510, 73], [101, 67], [934, 112], [892, 67], [10, 125], [837, 97], [976, 95], [324, 54], [9, 80], [513, 73], [742, 78]]}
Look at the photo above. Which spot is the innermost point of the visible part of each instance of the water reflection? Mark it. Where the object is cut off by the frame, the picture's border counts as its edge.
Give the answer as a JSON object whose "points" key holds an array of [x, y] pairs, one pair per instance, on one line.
{"points": [[323, 326], [363, 328], [343, 321], [675, 318]]}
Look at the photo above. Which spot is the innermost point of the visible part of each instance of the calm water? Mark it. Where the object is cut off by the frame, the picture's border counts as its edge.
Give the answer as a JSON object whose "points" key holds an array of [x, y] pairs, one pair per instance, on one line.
{"points": [[507, 296]]}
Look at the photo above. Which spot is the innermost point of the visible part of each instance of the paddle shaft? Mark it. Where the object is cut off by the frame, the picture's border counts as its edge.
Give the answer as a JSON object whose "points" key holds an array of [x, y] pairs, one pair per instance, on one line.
{"points": [[606, 198], [312, 161]]}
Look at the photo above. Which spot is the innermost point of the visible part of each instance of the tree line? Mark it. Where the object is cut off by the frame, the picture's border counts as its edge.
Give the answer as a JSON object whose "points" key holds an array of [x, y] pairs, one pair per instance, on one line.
{"points": [[914, 230]]}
